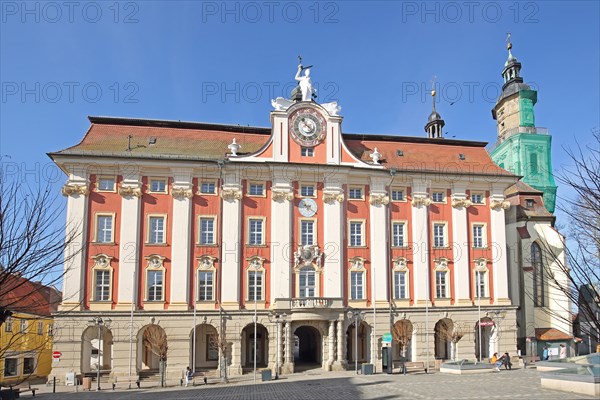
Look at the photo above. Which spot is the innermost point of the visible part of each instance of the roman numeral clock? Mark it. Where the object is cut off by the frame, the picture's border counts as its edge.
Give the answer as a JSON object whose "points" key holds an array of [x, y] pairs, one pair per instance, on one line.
{"points": [[308, 127]]}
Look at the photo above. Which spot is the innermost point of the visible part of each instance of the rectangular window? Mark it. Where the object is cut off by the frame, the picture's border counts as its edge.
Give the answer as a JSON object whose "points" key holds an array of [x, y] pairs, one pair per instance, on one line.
{"points": [[208, 188], [40, 328], [104, 229], [307, 191], [158, 185], [356, 233], [207, 231], [355, 193], [255, 285], [157, 230], [205, 285], [255, 236], [28, 365], [8, 325], [23, 328], [307, 152], [478, 236], [102, 291], [398, 234], [10, 367], [439, 235], [356, 285], [106, 184], [256, 189], [155, 285], [437, 197], [480, 283], [397, 195], [440, 284], [400, 285], [477, 198], [50, 329], [308, 233], [307, 283]]}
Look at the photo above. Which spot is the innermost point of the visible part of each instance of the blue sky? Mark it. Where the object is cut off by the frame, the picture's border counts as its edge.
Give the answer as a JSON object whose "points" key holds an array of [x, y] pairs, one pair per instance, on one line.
{"points": [[222, 62]]}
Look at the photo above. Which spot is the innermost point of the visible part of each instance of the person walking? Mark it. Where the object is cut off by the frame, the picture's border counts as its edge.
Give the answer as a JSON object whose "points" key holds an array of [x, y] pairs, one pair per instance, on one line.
{"points": [[545, 353], [188, 376], [563, 351]]}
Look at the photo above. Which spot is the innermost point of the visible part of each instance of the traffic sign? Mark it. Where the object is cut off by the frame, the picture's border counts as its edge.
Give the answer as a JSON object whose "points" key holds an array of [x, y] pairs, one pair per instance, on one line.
{"points": [[487, 323], [386, 338], [56, 354]]}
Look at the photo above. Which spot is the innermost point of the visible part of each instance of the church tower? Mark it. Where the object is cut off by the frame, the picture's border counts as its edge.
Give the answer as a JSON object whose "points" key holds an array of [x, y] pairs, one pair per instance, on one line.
{"points": [[435, 123], [522, 148]]}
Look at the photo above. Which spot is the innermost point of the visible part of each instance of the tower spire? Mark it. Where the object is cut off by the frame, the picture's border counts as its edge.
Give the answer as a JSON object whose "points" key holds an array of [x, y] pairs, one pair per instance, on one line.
{"points": [[435, 123]]}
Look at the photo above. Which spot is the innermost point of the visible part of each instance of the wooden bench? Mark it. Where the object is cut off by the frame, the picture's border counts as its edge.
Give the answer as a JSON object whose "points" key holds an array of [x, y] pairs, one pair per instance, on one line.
{"points": [[126, 381], [410, 366], [26, 389]]}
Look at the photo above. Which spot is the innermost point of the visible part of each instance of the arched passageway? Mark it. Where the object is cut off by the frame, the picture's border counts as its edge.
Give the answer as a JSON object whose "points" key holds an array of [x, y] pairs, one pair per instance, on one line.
{"points": [[307, 346], [96, 351]]}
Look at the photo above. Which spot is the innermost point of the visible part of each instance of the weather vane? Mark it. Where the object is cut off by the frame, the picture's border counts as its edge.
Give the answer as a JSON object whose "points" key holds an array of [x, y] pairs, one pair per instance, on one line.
{"points": [[433, 78], [509, 44], [300, 62]]}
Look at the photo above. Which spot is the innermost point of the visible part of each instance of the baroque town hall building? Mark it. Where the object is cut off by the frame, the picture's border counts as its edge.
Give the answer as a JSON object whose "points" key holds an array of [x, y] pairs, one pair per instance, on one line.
{"points": [[190, 229]]}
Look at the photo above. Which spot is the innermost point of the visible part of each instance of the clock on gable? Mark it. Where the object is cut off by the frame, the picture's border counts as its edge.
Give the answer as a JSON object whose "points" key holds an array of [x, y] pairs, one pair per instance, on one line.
{"points": [[307, 127]]}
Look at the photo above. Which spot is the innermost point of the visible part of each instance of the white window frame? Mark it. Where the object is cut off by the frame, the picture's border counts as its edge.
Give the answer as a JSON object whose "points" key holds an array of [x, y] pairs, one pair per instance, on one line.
{"points": [[50, 330], [99, 178], [158, 267], [307, 151], [353, 188], [441, 266], [206, 265], [40, 328], [307, 269], [481, 268], [23, 326], [214, 230], [306, 185], [357, 268], [398, 189], [208, 182], [444, 195], [301, 221], [478, 193], [149, 218], [396, 273], [155, 179], [8, 325], [99, 266], [97, 226], [445, 233], [483, 238], [362, 224], [255, 183], [255, 266], [404, 224], [249, 233]]}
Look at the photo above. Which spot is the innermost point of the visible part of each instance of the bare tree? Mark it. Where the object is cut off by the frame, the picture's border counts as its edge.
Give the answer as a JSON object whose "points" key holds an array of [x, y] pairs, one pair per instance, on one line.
{"points": [[451, 332], [576, 276], [32, 248], [155, 340], [402, 332]]}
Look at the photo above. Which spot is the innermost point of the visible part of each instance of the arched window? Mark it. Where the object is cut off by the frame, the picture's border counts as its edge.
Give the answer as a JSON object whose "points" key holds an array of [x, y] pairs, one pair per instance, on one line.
{"points": [[539, 284]]}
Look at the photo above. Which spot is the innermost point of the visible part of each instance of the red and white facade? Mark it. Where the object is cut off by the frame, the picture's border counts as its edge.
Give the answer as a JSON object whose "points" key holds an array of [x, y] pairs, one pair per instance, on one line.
{"points": [[303, 220]]}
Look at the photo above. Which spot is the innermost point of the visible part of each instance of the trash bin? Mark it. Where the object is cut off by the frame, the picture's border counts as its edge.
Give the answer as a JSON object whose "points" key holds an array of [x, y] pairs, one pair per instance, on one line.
{"points": [[266, 375], [87, 383], [366, 369]]}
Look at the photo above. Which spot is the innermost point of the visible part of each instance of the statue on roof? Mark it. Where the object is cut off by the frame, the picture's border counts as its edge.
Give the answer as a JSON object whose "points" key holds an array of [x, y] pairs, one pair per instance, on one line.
{"points": [[304, 82]]}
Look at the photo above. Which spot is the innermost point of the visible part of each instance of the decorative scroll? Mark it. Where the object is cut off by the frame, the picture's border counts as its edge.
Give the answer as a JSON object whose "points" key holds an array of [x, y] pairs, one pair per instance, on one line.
{"points": [[421, 201], [72, 189], [280, 195], [130, 191], [330, 197], [461, 203], [499, 204], [181, 193], [231, 194], [206, 261], [377, 199]]}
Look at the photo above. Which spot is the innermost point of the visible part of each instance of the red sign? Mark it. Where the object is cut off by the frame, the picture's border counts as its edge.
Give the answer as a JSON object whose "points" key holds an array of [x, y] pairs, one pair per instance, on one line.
{"points": [[487, 323], [56, 354]]}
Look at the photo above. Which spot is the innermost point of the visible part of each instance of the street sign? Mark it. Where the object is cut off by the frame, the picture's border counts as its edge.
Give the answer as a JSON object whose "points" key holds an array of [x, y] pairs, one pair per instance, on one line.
{"points": [[56, 354], [386, 338], [487, 323]]}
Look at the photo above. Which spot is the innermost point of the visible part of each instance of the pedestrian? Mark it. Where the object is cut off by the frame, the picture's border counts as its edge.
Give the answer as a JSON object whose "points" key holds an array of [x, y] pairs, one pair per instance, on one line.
{"points": [[494, 358], [499, 363], [563, 351], [506, 362], [188, 376], [545, 353]]}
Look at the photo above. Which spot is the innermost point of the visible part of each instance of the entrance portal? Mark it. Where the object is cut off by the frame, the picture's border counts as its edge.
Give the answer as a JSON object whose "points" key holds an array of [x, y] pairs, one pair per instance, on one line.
{"points": [[308, 350]]}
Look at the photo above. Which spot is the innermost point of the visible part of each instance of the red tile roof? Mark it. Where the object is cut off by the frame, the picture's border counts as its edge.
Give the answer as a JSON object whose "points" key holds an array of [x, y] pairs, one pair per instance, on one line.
{"points": [[550, 334], [20, 295]]}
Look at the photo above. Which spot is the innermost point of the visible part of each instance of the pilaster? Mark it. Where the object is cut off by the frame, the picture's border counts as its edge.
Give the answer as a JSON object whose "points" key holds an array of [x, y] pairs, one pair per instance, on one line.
{"points": [[281, 223], [333, 207], [420, 234], [460, 247], [231, 193], [499, 262], [379, 240]]}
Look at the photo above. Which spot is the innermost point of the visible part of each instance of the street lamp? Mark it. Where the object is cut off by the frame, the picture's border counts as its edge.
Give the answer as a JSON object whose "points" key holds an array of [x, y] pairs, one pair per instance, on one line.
{"points": [[277, 319], [99, 322], [356, 316]]}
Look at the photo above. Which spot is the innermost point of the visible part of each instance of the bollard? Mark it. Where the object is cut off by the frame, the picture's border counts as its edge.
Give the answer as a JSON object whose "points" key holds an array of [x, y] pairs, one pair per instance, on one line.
{"points": [[181, 382], [54, 385], [205, 380]]}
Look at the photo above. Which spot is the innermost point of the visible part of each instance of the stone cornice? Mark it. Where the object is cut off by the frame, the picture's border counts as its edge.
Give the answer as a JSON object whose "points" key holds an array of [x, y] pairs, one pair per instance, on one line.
{"points": [[71, 189]]}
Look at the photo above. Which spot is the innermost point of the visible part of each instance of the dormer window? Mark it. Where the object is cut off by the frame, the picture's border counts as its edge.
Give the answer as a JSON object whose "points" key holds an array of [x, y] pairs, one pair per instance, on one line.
{"points": [[529, 203]]}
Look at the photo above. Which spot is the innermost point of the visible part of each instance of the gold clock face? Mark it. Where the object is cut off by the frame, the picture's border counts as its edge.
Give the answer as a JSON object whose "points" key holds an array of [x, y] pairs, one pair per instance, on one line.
{"points": [[307, 127]]}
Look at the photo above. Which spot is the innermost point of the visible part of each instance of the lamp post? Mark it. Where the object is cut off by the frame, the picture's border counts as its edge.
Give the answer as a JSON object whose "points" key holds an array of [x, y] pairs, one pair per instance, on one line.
{"points": [[99, 322], [356, 316], [277, 319]]}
